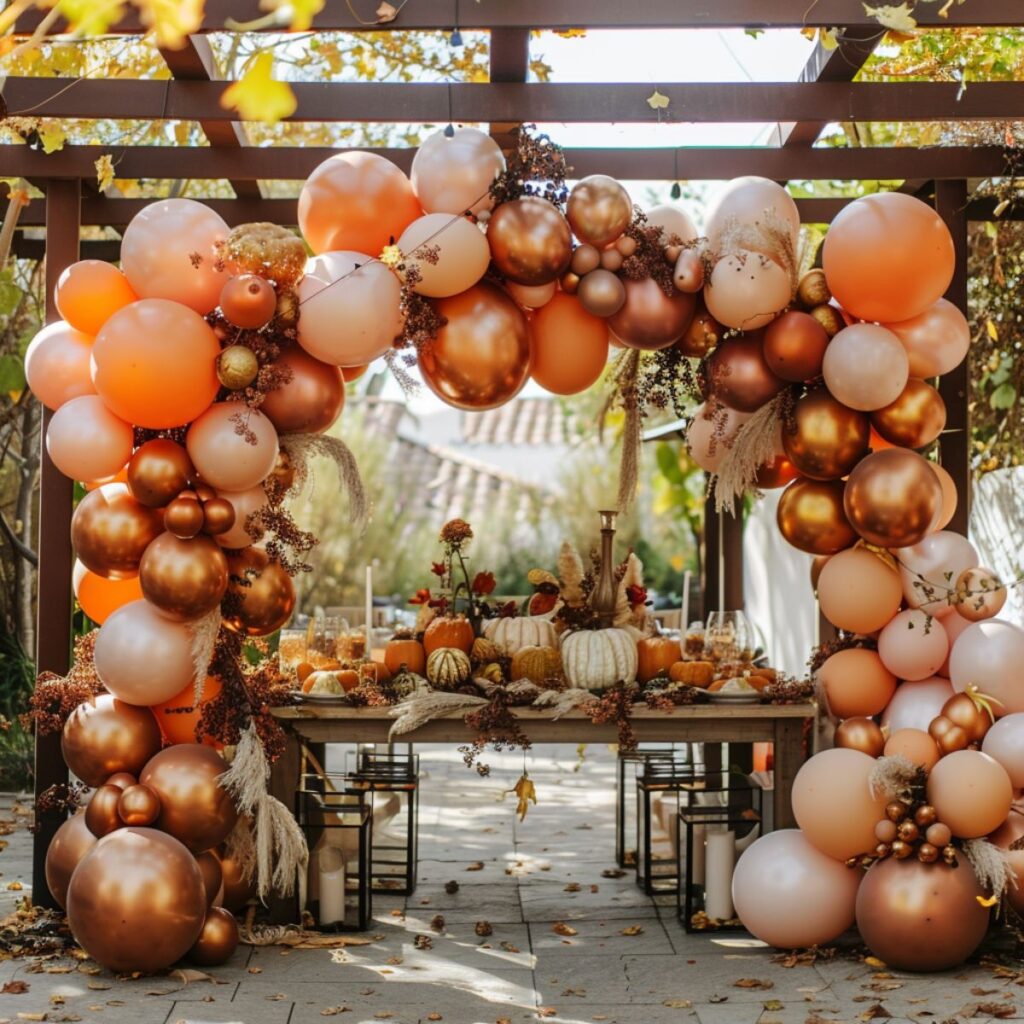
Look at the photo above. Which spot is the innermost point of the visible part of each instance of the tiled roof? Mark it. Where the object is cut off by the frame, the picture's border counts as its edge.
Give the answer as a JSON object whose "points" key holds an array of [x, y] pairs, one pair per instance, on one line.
{"points": [[523, 421]]}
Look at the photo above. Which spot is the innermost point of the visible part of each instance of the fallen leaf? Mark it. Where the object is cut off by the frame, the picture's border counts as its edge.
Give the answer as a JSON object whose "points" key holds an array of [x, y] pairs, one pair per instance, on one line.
{"points": [[718, 999], [656, 101], [761, 983], [451, 887], [14, 988], [633, 929], [873, 961], [31, 1016], [678, 1004], [434, 1016], [983, 991], [386, 12], [437, 923], [774, 1005], [395, 961], [477, 865], [875, 1012], [333, 1011], [383, 1015], [17, 886], [561, 928], [186, 975], [508, 947], [98, 986], [572, 887], [613, 873], [483, 929], [546, 1011], [255, 970], [423, 942]]}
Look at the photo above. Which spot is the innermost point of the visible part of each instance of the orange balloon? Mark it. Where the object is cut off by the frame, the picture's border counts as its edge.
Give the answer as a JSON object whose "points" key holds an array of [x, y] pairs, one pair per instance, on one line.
{"points": [[57, 364], [356, 201], [98, 596], [869, 247], [351, 373], [90, 292], [153, 364], [120, 477], [971, 792], [856, 683], [569, 346], [915, 745], [179, 725], [858, 591]]}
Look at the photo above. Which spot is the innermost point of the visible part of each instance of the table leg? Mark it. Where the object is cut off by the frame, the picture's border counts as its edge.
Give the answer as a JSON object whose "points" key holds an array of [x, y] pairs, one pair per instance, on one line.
{"points": [[284, 778], [789, 756]]}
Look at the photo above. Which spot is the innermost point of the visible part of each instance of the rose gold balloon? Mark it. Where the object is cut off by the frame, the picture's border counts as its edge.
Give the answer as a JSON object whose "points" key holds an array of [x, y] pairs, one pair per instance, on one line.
{"points": [[861, 734], [703, 334], [911, 646], [184, 579], [194, 808], [738, 375], [599, 210], [569, 282], [217, 941], [649, 319], [601, 293], [675, 223], [450, 253], [454, 174], [921, 917], [827, 439], [747, 290], [626, 244], [101, 811], [227, 459], [248, 301], [930, 568], [213, 876], [57, 364], [936, 340], [688, 275], [218, 516], [915, 704], [86, 441], [105, 735], [858, 591], [268, 600], [818, 563], [122, 780], [481, 357], [915, 745], [244, 504], [184, 518], [980, 594], [158, 471], [794, 346], [110, 530], [71, 842], [530, 241], [136, 901], [811, 517], [914, 419], [758, 202], [238, 889], [949, 498], [892, 498], [311, 401], [971, 793], [138, 806], [585, 258], [865, 367], [1004, 838]]}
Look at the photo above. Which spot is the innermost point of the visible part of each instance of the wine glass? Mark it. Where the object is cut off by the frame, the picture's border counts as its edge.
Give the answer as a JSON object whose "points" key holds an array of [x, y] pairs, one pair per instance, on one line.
{"points": [[729, 636]]}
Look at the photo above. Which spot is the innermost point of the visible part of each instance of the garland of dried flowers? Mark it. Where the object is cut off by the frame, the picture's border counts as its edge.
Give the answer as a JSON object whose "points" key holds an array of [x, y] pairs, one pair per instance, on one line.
{"points": [[56, 697], [534, 167], [496, 726], [615, 705]]}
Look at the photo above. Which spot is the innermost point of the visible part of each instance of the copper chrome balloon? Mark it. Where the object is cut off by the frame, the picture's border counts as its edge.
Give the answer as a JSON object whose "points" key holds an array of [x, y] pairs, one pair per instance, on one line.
{"points": [[827, 439], [914, 419], [139, 806], [183, 517], [238, 889], [218, 516], [738, 375], [649, 319], [184, 579], [101, 811], [105, 735], [600, 292], [158, 471], [861, 734], [311, 400], [702, 335], [71, 842], [530, 241], [599, 210], [794, 346], [110, 530], [264, 592], [217, 941], [213, 876], [811, 517]]}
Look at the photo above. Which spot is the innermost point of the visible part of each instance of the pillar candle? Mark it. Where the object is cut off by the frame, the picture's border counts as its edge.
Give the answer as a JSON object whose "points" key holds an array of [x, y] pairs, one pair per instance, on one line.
{"points": [[721, 857], [331, 868], [685, 615]]}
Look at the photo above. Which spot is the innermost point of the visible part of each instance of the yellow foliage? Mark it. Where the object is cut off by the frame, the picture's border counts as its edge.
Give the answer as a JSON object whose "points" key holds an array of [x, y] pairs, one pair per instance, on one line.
{"points": [[258, 96], [170, 21], [104, 172], [302, 11]]}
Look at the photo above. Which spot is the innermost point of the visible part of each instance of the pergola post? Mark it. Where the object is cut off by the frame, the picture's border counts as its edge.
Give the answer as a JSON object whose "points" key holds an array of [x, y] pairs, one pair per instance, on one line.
{"points": [[53, 598]]}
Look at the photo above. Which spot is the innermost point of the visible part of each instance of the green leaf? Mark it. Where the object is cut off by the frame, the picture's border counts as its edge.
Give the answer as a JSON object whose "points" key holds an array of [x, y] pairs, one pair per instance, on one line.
{"points": [[10, 296], [754, 33], [1003, 397], [12, 374], [668, 462]]}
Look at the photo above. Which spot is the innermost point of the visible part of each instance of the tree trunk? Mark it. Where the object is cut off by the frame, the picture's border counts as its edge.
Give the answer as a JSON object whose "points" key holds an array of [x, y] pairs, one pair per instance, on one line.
{"points": [[24, 572]]}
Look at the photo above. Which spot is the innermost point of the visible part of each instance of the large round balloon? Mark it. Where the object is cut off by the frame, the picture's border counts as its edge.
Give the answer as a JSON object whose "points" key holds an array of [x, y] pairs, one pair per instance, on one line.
{"points": [[142, 656], [1005, 837], [990, 656], [245, 503], [264, 593], [232, 446], [86, 441], [954, 625], [311, 401], [915, 704], [1004, 742], [811, 517], [834, 805], [913, 645], [826, 439], [171, 250], [856, 683], [747, 290], [794, 346], [100, 597], [865, 367], [971, 793], [154, 364], [69, 845], [930, 568], [89, 292], [936, 340], [569, 346], [351, 308], [738, 375], [599, 210], [921, 917], [530, 241], [194, 807], [57, 364], [791, 895], [711, 434], [858, 591], [179, 717], [105, 735], [158, 472], [752, 205], [892, 498], [914, 419], [136, 901], [184, 579], [450, 253], [481, 356], [649, 319], [868, 248], [357, 201], [110, 531], [454, 174]]}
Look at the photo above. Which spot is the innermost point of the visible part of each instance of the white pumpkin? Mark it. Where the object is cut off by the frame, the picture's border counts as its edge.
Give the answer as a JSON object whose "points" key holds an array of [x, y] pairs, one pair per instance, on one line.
{"points": [[513, 633], [595, 659]]}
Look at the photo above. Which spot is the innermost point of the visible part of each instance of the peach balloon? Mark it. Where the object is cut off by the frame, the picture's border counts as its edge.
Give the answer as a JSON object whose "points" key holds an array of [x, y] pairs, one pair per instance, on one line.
{"points": [[86, 440], [89, 292], [311, 401], [912, 646], [711, 433], [834, 805], [142, 657], [569, 346], [454, 174], [154, 364], [747, 290], [868, 248], [1004, 742], [971, 793], [936, 340], [949, 497], [858, 591], [532, 296], [930, 568], [226, 459], [351, 309], [159, 253], [450, 253], [673, 221], [1005, 837], [990, 656], [99, 597], [751, 200], [915, 745], [856, 683], [355, 201], [178, 717], [244, 503], [915, 704], [954, 625], [57, 364], [865, 367]]}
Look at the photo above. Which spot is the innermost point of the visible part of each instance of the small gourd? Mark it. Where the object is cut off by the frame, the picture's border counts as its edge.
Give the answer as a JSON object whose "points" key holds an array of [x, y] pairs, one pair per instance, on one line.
{"points": [[447, 667], [537, 664], [514, 632], [484, 651], [595, 659], [492, 673]]}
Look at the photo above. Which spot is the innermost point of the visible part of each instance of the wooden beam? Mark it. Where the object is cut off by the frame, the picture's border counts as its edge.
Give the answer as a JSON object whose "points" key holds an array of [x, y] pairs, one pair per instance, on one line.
{"points": [[510, 62]]}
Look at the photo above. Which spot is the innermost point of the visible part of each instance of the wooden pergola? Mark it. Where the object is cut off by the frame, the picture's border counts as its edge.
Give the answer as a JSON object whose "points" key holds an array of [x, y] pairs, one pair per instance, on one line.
{"points": [[825, 93]]}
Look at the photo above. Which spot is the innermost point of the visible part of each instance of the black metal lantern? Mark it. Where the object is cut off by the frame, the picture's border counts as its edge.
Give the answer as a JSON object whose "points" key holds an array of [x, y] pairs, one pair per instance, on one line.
{"points": [[628, 765], [660, 784]]}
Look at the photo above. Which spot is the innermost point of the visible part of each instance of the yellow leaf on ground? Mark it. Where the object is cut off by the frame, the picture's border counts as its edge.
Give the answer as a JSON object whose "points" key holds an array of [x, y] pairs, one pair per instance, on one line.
{"points": [[257, 96], [104, 172]]}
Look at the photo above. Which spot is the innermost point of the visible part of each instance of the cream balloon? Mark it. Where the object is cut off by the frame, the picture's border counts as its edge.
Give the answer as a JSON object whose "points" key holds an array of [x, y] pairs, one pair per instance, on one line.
{"points": [[449, 252], [865, 367], [244, 503], [990, 655], [454, 174], [57, 364], [930, 568], [954, 625], [87, 441], [913, 646], [936, 340], [915, 704], [711, 433], [229, 460], [752, 202], [747, 290], [672, 220]]}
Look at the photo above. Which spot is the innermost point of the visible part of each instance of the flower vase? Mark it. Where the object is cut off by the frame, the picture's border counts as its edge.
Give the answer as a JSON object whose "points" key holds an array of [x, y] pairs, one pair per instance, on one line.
{"points": [[604, 597]]}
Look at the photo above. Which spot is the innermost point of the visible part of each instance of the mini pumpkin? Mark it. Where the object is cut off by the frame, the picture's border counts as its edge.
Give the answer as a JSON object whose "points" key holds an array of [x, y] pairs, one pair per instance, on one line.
{"points": [[514, 632], [405, 650], [692, 673], [595, 659], [448, 631], [374, 671], [655, 657], [537, 664], [484, 651], [447, 667]]}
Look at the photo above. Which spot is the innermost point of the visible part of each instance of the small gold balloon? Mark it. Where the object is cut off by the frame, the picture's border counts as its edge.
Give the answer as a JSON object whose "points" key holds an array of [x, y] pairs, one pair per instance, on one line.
{"points": [[139, 806], [158, 471], [599, 209], [601, 293], [962, 710], [827, 439], [914, 419], [908, 831], [101, 811], [218, 516], [925, 815], [811, 517], [287, 308], [184, 579], [813, 289], [264, 592], [949, 736], [183, 518], [530, 241], [860, 734], [626, 244], [217, 941], [204, 492], [237, 367], [282, 476], [895, 810], [570, 282], [703, 334], [901, 850], [122, 780], [585, 258], [927, 854], [830, 318]]}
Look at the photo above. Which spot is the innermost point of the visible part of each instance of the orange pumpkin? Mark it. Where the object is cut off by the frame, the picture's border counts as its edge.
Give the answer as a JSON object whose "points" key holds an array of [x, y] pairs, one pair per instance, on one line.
{"points": [[375, 671], [655, 657], [692, 673], [448, 631], [349, 679], [405, 651]]}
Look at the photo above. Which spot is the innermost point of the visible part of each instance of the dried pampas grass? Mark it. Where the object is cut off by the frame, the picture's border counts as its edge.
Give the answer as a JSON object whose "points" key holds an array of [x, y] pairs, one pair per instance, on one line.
{"points": [[753, 446], [301, 448], [418, 710]]}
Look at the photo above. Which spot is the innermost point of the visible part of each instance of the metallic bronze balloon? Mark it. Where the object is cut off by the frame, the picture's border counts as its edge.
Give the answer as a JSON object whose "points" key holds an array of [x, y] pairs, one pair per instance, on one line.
{"points": [[626, 244], [101, 811], [980, 594], [569, 283], [264, 592], [237, 367], [248, 301], [811, 517], [611, 259], [204, 492], [914, 419], [601, 293], [794, 346], [826, 439], [1004, 838], [158, 471], [813, 289], [816, 566], [183, 518], [599, 210], [948, 736], [921, 917], [777, 473], [71, 842], [961, 710], [104, 735], [139, 806], [209, 865], [122, 780], [184, 579], [218, 516], [892, 498], [110, 530], [830, 319], [311, 401], [861, 734], [238, 889], [530, 241], [481, 357], [193, 806], [136, 901], [703, 334], [585, 258], [217, 941], [650, 319], [738, 376], [282, 476]]}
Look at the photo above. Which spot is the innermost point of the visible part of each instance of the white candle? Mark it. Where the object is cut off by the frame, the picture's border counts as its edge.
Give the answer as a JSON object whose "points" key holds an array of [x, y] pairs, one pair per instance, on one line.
{"points": [[369, 609], [685, 616], [331, 877], [698, 854], [721, 857]]}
